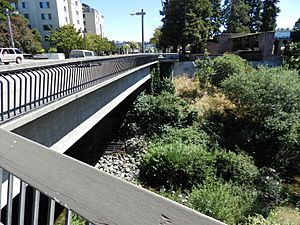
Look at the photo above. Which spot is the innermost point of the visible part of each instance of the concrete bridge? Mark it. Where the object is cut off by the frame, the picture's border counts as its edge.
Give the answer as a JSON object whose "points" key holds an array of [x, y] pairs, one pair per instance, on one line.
{"points": [[45, 109]]}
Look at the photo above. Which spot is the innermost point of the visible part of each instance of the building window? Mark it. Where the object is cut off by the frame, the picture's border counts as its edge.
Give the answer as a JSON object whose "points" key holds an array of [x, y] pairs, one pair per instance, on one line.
{"points": [[76, 3], [26, 16], [14, 5], [78, 22], [44, 5], [84, 23], [66, 19], [47, 27], [83, 15], [24, 5], [77, 13], [65, 8], [46, 16]]}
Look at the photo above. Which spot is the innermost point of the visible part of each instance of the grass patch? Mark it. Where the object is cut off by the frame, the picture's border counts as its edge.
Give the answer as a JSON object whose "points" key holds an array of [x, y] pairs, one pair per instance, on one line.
{"points": [[187, 88], [213, 104], [285, 216]]}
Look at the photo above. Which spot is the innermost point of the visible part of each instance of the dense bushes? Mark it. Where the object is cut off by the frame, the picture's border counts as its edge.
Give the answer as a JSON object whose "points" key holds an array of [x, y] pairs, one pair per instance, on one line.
{"points": [[237, 168], [180, 158], [292, 57], [227, 65], [223, 201], [153, 114], [206, 165], [266, 118], [188, 135], [216, 70], [176, 165]]}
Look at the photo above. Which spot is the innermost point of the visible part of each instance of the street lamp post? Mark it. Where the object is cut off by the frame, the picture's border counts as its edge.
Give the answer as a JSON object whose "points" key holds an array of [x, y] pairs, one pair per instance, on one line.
{"points": [[142, 14], [8, 23]]}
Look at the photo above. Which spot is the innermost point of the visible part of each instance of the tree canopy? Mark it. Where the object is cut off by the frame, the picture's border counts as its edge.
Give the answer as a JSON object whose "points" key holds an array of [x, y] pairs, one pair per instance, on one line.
{"points": [[269, 15], [24, 38], [236, 18], [4, 5], [99, 44], [156, 37], [65, 39], [188, 22]]}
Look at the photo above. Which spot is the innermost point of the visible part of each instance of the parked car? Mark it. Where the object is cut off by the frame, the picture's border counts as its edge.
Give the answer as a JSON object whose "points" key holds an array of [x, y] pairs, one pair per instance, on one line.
{"points": [[8, 55], [81, 54]]}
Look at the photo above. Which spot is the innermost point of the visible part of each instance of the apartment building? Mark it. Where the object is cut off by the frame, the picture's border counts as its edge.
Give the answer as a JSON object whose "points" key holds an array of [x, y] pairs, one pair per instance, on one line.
{"points": [[93, 20], [50, 14]]}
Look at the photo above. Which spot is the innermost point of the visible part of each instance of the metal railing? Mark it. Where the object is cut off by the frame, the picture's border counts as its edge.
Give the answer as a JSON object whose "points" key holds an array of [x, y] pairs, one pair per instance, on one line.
{"points": [[24, 89]]}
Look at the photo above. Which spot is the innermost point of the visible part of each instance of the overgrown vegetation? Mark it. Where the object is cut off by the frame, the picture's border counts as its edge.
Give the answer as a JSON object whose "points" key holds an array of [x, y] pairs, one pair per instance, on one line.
{"points": [[214, 71], [223, 148], [292, 57]]}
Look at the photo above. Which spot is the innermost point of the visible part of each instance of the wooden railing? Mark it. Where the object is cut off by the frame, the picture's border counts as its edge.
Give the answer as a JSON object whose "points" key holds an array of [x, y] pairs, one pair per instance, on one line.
{"points": [[80, 188]]}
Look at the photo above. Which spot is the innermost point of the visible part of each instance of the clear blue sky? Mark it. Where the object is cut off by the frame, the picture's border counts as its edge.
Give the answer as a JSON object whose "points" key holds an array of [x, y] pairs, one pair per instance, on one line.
{"points": [[120, 26]]}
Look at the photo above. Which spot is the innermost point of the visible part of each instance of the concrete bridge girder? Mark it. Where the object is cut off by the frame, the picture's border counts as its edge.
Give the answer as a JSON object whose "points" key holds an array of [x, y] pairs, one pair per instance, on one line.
{"points": [[60, 124]]}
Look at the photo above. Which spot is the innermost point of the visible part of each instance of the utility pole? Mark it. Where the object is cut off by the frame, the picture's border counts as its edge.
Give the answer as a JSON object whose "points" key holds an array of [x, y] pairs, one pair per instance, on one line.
{"points": [[141, 13], [8, 23]]}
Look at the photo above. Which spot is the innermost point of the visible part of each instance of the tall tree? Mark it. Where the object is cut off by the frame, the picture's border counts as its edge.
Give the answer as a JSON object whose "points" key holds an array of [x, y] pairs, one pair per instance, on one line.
{"points": [[65, 39], [269, 15], [297, 25], [188, 22], [216, 20], [4, 5], [236, 16], [156, 39], [173, 13], [255, 14], [24, 38], [198, 25]]}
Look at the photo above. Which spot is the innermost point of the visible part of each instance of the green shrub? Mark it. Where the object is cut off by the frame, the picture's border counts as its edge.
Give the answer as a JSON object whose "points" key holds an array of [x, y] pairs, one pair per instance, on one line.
{"points": [[205, 69], [258, 220], [52, 50], [189, 135], [222, 201], [176, 165], [160, 84], [266, 118], [153, 114], [292, 58], [238, 168], [270, 191], [227, 65]]}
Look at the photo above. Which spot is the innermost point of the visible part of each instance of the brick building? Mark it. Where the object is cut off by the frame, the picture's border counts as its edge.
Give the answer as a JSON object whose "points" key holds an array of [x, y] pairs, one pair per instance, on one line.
{"points": [[263, 46]]}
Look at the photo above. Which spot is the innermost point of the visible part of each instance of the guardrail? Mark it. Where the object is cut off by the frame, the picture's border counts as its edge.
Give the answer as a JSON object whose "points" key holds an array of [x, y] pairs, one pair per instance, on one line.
{"points": [[99, 197], [24, 89]]}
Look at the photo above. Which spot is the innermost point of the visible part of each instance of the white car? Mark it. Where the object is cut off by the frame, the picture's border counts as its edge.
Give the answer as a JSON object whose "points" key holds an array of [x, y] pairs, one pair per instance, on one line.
{"points": [[8, 55], [81, 54]]}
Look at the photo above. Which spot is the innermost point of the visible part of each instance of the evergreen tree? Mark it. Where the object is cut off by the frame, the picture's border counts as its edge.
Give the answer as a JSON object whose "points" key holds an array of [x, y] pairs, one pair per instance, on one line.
{"points": [[297, 25], [216, 20], [188, 22], [269, 15], [173, 13], [197, 23], [236, 16], [255, 14]]}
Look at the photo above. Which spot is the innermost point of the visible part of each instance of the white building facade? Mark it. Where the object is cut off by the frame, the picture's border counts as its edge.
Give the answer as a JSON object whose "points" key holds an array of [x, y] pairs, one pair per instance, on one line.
{"points": [[93, 21], [46, 15]]}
